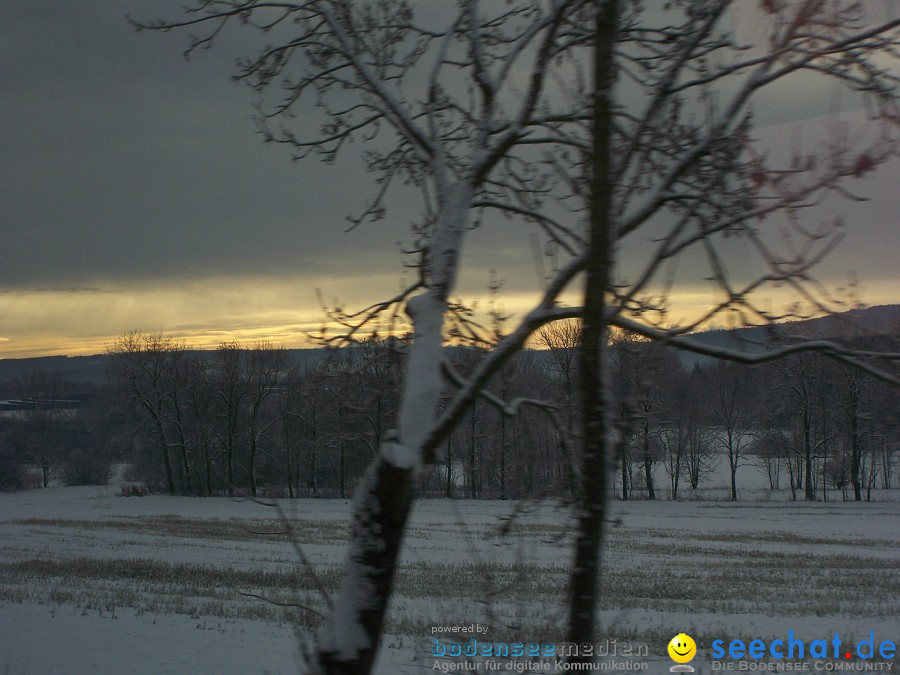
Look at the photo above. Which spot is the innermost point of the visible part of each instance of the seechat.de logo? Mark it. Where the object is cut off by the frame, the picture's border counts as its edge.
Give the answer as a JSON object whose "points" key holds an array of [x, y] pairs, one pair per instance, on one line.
{"points": [[682, 649]]}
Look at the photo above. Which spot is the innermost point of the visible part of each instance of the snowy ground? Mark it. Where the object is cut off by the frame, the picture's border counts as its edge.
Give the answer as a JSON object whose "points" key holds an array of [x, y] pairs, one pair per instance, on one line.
{"points": [[95, 582]]}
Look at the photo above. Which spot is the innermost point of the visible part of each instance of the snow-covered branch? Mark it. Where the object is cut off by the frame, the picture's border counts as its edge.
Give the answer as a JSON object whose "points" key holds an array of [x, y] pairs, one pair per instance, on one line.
{"points": [[837, 351]]}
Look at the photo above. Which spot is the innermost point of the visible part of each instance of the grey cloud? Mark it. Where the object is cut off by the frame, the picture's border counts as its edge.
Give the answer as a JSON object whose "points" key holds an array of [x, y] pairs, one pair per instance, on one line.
{"points": [[122, 162]]}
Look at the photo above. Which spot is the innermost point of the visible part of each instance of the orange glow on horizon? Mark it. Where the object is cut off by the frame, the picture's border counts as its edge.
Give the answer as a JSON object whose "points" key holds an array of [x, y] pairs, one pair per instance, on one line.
{"points": [[206, 314]]}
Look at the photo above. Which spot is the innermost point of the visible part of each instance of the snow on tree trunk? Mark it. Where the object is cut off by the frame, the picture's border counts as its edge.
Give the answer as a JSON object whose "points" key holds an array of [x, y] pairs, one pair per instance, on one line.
{"points": [[348, 640]]}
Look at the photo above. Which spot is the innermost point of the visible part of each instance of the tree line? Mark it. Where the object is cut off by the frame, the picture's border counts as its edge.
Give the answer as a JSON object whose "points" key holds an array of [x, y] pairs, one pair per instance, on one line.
{"points": [[252, 420]]}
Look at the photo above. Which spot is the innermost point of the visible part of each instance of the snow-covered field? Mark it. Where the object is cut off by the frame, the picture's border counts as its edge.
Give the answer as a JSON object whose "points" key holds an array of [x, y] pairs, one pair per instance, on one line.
{"points": [[94, 582]]}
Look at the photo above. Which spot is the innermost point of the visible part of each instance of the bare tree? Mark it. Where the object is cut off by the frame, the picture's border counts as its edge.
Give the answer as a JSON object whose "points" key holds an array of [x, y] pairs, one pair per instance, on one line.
{"points": [[681, 431], [562, 339], [42, 439], [200, 404], [701, 460], [771, 456], [290, 422], [801, 380], [231, 391], [459, 151], [656, 146], [265, 366], [145, 369], [312, 418], [734, 411], [707, 178]]}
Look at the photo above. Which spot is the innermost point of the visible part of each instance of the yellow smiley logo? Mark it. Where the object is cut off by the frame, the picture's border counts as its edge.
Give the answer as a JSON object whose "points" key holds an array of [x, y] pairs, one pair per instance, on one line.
{"points": [[682, 648]]}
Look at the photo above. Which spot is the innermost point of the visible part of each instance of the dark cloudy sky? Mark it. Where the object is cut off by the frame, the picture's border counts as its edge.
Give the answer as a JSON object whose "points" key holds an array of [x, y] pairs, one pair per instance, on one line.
{"points": [[135, 194]]}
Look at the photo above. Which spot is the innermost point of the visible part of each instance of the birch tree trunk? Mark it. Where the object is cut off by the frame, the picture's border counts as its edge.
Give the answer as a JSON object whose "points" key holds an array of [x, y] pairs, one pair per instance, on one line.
{"points": [[348, 640]]}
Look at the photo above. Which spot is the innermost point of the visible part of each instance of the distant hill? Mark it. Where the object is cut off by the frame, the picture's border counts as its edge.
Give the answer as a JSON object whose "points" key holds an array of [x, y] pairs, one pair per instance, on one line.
{"points": [[881, 320]]}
